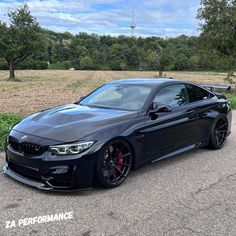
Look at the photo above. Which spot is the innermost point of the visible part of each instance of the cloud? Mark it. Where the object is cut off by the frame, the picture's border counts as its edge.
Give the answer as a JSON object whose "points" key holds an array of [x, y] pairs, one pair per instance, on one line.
{"points": [[159, 18]]}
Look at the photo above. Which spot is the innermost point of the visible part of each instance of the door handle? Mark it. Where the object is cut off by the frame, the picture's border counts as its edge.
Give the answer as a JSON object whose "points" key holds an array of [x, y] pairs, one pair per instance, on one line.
{"points": [[191, 112]]}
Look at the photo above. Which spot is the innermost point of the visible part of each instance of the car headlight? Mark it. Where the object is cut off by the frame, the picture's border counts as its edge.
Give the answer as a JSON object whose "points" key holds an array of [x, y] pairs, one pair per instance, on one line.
{"points": [[70, 149]]}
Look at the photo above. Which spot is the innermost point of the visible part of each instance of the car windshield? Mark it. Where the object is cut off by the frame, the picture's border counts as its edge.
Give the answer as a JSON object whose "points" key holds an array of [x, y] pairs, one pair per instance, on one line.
{"points": [[118, 96]]}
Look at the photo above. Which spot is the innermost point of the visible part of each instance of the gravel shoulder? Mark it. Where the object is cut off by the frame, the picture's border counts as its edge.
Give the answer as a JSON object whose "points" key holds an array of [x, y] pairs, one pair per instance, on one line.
{"points": [[190, 194]]}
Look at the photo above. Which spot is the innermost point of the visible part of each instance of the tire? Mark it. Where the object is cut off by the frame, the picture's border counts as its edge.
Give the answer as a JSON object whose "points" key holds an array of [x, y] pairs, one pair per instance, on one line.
{"points": [[219, 133], [114, 163]]}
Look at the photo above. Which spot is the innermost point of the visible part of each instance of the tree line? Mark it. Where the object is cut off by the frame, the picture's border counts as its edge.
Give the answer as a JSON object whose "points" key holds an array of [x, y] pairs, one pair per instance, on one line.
{"points": [[25, 45]]}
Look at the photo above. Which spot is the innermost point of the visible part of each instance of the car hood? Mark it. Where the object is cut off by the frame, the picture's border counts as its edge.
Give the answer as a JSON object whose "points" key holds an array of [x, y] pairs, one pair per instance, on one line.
{"points": [[69, 123]]}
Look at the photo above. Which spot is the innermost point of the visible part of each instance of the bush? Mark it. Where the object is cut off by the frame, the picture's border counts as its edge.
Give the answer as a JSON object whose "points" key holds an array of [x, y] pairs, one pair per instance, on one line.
{"points": [[60, 65], [231, 96], [233, 102], [104, 67], [6, 121], [3, 64], [232, 99], [31, 64], [86, 63]]}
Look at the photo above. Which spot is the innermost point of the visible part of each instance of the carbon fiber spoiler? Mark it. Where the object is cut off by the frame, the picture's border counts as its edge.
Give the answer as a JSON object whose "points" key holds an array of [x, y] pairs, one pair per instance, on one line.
{"points": [[217, 87]]}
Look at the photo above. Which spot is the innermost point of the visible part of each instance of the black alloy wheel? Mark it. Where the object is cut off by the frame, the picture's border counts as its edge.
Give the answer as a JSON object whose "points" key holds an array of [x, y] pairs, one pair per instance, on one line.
{"points": [[219, 133], [114, 163]]}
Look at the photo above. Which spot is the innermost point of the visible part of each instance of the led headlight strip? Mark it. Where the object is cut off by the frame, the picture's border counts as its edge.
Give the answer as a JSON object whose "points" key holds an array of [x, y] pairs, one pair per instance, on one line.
{"points": [[71, 149]]}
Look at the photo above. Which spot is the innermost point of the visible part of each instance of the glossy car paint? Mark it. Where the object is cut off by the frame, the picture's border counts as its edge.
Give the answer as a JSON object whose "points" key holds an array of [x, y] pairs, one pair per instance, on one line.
{"points": [[151, 138]]}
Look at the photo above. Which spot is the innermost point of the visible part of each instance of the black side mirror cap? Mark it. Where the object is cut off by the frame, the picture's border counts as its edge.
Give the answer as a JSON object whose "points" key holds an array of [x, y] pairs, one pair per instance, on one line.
{"points": [[82, 97], [164, 108], [159, 108]]}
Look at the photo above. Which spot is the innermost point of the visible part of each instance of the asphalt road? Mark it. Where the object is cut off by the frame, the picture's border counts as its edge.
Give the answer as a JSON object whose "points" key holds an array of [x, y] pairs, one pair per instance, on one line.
{"points": [[190, 194]]}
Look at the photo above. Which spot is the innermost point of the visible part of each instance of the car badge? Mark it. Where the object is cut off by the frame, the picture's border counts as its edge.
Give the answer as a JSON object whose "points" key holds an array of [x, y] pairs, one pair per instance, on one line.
{"points": [[24, 137]]}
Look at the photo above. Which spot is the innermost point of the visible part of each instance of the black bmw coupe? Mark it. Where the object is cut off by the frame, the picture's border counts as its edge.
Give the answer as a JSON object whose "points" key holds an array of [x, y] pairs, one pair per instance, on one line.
{"points": [[116, 128]]}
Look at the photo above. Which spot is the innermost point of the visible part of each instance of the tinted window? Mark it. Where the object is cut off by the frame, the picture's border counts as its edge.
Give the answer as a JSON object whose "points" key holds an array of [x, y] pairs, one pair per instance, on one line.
{"points": [[196, 93], [173, 96], [119, 96]]}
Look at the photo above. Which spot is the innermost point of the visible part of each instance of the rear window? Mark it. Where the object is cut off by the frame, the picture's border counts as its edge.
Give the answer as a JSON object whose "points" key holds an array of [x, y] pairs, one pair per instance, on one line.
{"points": [[174, 96], [196, 93]]}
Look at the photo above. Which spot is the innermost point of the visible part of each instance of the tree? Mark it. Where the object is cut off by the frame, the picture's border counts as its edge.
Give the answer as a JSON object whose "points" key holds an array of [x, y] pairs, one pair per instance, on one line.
{"points": [[219, 32], [123, 65], [86, 63], [81, 51], [162, 55], [133, 56], [160, 60], [194, 62], [181, 62], [20, 39]]}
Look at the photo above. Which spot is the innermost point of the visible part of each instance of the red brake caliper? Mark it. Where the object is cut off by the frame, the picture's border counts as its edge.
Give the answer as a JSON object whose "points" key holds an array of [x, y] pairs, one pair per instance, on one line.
{"points": [[119, 159]]}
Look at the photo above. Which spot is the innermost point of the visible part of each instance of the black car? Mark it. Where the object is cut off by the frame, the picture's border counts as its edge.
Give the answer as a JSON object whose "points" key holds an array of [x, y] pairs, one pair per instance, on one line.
{"points": [[118, 127]]}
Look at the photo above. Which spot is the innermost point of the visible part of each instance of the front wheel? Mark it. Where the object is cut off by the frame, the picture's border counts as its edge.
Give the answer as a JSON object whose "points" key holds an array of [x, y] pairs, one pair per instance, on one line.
{"points": [[219, 133], [114, 163]]}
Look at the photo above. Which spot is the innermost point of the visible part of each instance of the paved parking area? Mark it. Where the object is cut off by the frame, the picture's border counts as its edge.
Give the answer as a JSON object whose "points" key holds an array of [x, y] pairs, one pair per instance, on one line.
{"points": [[190, 194]]}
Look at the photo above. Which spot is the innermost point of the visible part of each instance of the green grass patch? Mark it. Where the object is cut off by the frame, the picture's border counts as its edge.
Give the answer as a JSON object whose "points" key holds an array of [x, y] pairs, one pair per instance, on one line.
{"points": [[232, 99], [231, 96], [6, 121]]}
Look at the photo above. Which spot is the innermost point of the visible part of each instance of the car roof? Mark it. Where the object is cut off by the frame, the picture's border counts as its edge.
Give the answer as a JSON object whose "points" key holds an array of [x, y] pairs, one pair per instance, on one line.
{"points": [[148, 81]]}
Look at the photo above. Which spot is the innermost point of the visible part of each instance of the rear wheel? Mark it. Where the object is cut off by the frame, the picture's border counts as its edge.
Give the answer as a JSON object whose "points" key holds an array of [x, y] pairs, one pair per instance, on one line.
{"points": [[114, 163], [219, 133]]}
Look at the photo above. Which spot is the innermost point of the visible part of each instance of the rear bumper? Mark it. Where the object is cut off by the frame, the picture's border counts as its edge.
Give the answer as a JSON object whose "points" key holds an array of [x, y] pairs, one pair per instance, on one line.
{"points": [[51, 175]]}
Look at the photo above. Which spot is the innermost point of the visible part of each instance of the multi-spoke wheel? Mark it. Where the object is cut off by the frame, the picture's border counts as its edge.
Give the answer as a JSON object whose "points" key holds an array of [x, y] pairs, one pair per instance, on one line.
{"points": [[219, 133], [114, 163]]}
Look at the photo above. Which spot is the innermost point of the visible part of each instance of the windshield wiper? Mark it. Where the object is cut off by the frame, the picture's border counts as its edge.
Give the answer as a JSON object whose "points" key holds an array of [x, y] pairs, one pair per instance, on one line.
{"points": [[102, 107]]}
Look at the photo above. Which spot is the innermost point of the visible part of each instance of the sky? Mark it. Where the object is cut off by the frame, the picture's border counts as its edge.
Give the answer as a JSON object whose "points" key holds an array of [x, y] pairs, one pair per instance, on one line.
{"points": [[164, 18]]}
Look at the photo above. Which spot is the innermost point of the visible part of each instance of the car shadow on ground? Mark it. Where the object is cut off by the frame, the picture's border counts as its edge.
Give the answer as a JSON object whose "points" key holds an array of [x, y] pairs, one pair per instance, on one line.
{"points": [[136, 175], [133, 177]]}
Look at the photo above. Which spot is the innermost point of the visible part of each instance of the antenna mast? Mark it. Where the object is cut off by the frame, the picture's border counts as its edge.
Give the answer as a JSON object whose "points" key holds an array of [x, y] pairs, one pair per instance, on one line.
{"points": [[133, 25]]}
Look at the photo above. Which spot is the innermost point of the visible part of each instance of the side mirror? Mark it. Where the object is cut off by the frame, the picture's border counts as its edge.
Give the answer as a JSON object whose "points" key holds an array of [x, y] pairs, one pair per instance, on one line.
{"points": [[164, 108], [159, 108], [81, 98]]}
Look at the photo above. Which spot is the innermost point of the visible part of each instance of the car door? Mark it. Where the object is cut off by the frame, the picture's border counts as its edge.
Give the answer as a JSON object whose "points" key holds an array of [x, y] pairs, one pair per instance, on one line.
{"points": [[204, 103], [173, 130]]}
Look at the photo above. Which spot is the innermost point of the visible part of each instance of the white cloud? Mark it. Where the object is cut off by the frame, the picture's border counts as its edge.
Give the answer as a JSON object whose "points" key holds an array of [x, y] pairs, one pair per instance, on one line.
{"points": [[160, 18]]}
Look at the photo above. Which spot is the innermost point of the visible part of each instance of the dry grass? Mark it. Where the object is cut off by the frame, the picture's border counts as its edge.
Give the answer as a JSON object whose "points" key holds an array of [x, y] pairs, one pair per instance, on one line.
{"points": [[43, 89]]}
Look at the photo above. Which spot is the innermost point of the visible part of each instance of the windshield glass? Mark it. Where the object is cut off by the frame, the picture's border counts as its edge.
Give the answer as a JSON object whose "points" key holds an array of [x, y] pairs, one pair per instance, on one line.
{"points": [[118, 96]]}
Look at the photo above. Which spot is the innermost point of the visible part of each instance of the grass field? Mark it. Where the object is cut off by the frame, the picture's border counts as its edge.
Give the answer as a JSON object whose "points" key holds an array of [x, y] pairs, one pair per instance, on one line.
{"points": [[43, 89]]}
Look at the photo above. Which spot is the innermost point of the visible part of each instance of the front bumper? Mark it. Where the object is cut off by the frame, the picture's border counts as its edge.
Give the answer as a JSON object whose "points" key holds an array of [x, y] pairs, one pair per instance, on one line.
{"points": [[47, 174], [39, 185]]}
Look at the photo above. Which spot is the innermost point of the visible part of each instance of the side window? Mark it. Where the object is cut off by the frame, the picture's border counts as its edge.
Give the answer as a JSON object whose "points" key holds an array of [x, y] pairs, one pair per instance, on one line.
{"points": [[173, 96], [196, 93]]}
